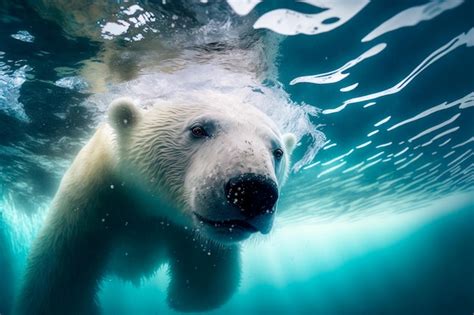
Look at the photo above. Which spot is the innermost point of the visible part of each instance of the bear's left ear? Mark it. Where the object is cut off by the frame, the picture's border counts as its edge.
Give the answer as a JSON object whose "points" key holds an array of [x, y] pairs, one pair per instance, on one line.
{"points": [[289, 140], [123, 114]]}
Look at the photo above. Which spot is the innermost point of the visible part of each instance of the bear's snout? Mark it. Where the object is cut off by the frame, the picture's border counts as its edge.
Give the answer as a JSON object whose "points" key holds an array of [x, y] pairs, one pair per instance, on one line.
{"points": [[254, 194]]}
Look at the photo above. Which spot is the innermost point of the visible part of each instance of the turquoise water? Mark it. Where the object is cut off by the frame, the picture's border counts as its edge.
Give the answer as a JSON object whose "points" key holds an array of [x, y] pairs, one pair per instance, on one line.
{"points": [[376, 217]]}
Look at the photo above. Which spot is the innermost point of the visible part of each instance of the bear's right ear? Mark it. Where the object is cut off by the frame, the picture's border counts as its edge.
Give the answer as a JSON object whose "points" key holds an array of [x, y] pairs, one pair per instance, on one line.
{"points": [[289, 140], [123, 114]]}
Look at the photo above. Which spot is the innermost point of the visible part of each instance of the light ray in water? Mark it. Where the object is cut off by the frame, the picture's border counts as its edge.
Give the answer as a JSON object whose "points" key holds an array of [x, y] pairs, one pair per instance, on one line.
{"points": [[466, 39], [411, 161], [329, 146], [353, 167], [337, 158], [434, 128], [373, 133], [360, 146], [462, 102], [460, 157], [383, 145], [369, 165], [444, 143], [369, 104], [329, 170], [439, 136], [464, 143], [383, 121], [375, 156]]}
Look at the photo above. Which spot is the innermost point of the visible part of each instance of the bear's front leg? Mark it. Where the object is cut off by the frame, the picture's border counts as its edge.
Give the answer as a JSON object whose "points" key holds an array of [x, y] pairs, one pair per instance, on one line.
{"points": [[204, 275]]}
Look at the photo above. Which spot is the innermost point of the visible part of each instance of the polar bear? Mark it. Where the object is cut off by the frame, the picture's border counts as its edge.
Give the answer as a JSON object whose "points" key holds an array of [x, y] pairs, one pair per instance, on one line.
{"points": [[180, 183]]}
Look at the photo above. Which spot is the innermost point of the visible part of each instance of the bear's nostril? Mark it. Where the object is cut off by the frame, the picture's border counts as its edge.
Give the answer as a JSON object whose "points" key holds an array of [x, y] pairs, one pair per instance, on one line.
{"points": [[253, 194]]}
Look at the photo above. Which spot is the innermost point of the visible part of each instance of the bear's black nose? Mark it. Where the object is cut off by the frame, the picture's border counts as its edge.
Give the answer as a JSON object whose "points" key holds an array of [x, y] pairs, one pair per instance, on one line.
{"points": [[253, 194]]}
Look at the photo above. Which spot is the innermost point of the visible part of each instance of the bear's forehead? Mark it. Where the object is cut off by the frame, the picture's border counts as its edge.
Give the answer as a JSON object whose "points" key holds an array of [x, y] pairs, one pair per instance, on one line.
{"points": [[224, 110], [241, 118]]}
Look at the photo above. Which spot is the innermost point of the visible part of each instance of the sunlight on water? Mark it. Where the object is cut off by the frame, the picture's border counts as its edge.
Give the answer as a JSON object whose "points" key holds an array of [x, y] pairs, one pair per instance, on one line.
{"points": [[243, 7], [290, 22], [338, 74], [413, 16], [466, 39]]}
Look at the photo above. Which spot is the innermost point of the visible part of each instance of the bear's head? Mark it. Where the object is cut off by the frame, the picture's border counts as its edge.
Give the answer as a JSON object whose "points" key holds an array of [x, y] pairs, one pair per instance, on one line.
{"points": [[211, 162]]}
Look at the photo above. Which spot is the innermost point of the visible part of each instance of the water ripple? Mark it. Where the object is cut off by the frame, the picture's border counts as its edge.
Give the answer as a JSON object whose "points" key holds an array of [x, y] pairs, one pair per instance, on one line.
{"points": [[466, 39], [413, 16], [338, 74], [290, 22]]}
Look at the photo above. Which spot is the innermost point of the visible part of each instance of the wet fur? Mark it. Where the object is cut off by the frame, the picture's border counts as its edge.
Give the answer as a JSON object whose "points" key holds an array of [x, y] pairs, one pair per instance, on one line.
{"points": [[90, 229]]}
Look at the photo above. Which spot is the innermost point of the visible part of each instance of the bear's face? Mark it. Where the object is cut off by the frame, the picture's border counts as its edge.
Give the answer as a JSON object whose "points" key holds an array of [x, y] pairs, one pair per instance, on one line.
{"points": [[221, 163]]}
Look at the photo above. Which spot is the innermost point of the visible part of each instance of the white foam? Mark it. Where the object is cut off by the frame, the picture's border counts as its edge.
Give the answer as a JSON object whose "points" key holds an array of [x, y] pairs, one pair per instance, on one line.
{"points": [[73, 83], [23, 36], [156, 86], [111, 29], [10, 84]]}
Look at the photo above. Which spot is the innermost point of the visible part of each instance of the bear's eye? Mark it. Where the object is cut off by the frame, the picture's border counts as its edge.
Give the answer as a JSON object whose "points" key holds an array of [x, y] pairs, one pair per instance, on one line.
{"points": [[199, 132], [278, 153]]}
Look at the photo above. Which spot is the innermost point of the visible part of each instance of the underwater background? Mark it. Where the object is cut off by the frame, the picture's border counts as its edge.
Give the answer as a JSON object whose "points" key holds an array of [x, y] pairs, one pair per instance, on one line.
{"points": [[377, 215]]}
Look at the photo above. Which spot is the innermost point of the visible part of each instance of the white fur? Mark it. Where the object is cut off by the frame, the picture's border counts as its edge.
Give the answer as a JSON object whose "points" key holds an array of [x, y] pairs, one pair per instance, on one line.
{"points": [[143, 168], [160, 156]]}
